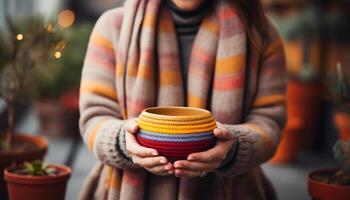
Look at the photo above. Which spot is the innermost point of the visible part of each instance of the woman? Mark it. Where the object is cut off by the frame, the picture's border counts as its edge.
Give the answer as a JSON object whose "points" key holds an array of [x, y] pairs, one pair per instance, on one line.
{"points": [[220, 55]]}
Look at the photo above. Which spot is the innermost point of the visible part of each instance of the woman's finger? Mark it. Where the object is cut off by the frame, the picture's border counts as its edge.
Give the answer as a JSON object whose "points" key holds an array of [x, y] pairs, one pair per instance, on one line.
{"points": [[134, 148], [222, 134], [187, 173], [132, 126], [149, 162], [217, 153], [162, 170], [193, 165]]}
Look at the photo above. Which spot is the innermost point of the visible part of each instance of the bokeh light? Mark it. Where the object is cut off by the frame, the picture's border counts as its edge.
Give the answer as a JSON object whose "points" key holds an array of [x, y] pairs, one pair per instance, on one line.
{"points": [[58, 55], [49, 28], [66, 18], [20, 37]]}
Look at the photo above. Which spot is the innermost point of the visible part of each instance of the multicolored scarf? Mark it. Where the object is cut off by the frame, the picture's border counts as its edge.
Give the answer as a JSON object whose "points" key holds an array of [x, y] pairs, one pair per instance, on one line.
{"points": [[148, 71]]}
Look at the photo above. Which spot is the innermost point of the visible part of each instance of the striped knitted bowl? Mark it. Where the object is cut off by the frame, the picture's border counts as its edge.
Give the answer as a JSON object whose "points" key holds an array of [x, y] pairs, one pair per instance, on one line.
{"points": [[176, 132]]}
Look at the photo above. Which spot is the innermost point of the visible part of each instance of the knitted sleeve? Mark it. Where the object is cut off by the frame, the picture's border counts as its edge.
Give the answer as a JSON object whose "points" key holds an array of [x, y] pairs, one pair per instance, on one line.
{"points": [[101, 124], [258, 137]]}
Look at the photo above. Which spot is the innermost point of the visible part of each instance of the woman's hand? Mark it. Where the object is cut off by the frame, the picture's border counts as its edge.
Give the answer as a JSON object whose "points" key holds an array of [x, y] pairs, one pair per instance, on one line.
{"points": [[199, 164], [145, 157]]}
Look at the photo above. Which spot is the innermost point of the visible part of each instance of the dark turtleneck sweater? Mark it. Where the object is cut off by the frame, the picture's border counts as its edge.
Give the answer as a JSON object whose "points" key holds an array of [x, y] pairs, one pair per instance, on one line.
{"points": [[187, 24]]}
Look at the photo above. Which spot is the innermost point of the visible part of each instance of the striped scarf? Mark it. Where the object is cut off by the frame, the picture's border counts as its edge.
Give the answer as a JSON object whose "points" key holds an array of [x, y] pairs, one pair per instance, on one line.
{"points": [[148, 71]]}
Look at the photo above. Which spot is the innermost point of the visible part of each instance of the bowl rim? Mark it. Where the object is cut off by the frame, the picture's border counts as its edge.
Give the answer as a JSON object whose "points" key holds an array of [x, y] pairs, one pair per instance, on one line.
{"points": [[204, 113]]}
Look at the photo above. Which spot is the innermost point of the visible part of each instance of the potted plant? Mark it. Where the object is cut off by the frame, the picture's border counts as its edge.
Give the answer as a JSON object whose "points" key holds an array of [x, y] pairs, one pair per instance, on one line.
{"points": [[338, 89], [26, 49], [58, 93], [37, 180], [329, 184], [335, 183], [304, 88]]}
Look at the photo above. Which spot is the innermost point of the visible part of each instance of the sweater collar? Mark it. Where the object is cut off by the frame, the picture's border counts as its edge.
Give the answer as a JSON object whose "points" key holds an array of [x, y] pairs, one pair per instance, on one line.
{"points": [[188, 22]]}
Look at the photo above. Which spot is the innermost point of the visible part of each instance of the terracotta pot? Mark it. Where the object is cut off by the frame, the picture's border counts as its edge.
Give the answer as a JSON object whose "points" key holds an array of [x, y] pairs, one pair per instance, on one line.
{"points": [[176, 132], [288, 148], [38, 187], [303, 114], [305, 102], [70, 100], [8, 158], [324, 191], [55, 120], [342, 122]]}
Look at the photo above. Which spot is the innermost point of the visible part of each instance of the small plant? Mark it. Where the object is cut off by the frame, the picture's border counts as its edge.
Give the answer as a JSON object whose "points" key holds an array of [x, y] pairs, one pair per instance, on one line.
{"points": [[69, 65], [35, 168], [341, 151], [339, 88], [27, 47]]}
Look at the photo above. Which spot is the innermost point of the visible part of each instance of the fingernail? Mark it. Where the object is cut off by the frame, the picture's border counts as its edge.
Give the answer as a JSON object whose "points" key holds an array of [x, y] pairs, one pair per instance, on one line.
{"points": [[167, 167], [190, 158], [163, 161], [170, 172], [154, 153]]}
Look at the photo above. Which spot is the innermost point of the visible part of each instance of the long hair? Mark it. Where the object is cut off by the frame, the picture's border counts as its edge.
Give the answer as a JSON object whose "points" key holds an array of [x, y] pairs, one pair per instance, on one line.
{"points": [[255, 21]]}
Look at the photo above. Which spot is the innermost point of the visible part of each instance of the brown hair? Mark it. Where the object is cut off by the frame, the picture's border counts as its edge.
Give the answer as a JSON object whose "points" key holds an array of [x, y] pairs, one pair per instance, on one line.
{"points": [[255, 21]]}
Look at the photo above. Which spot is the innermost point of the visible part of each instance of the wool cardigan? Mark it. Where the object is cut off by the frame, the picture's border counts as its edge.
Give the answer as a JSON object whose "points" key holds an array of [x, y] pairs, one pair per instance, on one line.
{"points": [[116, 177]]}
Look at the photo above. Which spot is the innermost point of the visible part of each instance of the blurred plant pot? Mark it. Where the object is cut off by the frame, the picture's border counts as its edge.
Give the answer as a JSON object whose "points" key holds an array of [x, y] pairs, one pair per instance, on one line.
{"points": [[303, 110], [342, 123], [26, 187], [304, 101], [70, 100], [289, 146], [25, 148], [56, 120], [319, 189]]}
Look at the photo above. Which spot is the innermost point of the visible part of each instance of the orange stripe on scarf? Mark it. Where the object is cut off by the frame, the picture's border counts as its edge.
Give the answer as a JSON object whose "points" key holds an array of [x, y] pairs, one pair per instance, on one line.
{"points": [[194, 101], [169, 78], [269, 100], [108, 171], [115, 180], [93, 87], [98, 39], [232, 64], [149, 21]]}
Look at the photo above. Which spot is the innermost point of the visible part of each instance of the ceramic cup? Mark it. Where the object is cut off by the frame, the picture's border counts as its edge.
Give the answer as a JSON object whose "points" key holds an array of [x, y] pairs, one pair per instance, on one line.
{"points": [[176, 132]]}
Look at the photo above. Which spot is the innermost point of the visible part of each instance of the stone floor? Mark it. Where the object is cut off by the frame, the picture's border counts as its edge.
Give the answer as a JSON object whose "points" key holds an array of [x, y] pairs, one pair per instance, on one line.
{"points": [[289, 180]]}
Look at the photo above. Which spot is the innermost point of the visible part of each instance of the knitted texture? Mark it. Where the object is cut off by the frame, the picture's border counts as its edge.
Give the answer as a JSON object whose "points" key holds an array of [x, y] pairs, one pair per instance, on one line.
{"points": [[176, 132], [136, 60], [178, 149], [108, 143], [167, 124], [175, 137], [130, 65]]}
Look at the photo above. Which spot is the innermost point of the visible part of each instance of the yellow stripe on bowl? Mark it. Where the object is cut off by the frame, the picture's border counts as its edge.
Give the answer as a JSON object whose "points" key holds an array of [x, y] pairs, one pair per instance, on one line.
{"points": [[177, 122], [176, 129]]}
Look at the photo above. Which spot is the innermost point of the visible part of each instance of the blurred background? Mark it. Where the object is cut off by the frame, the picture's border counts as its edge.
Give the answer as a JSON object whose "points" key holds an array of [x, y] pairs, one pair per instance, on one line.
{"points": [[316, 36]]}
